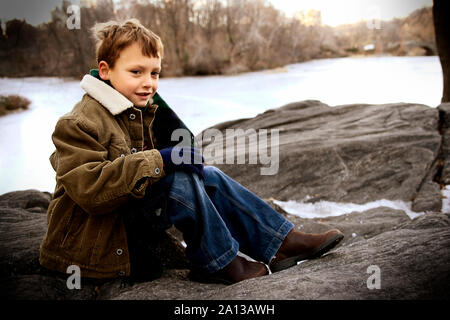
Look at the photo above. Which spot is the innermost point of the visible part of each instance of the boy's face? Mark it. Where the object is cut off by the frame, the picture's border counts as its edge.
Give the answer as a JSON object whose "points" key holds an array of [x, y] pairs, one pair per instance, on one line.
{"points": [[134, 75]]}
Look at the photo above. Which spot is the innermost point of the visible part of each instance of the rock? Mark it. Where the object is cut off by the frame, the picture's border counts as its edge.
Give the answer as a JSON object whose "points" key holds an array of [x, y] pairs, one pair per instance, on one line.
{"points": [[174, 284], [22, 228], [412, 255], [350, 153], [428, 199], [43, 287], [27, 199], [21, 234], [364, 225], [414, 264], [13, 103]]}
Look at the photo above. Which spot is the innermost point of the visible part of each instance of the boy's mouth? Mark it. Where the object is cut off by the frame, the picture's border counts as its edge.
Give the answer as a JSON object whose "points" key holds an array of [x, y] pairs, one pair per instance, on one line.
{"points": [[143, 94]]}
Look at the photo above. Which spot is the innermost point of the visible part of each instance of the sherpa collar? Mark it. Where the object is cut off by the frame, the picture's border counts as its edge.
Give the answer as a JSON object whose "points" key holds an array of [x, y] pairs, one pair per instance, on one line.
{"points": [[116, 103], [106, 95]]}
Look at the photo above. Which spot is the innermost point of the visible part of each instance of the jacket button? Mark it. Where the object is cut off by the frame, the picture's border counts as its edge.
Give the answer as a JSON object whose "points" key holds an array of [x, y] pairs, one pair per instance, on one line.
{"points": [[119, 252], [133, 150], [157, 171], [132, 116], [122, 155]]}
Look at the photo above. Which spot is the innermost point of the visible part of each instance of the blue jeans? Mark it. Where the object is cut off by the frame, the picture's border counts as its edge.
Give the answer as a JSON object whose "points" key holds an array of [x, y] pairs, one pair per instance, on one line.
{"points": [[218, 217]]}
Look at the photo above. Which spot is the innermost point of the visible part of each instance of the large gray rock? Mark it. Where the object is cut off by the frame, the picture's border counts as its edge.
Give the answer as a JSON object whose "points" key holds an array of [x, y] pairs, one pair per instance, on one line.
{"points": [[429, 198], [414, 264], [413, 257], [31, 200], [43, 287], [22, 227], [350, 153], [21, 233]]}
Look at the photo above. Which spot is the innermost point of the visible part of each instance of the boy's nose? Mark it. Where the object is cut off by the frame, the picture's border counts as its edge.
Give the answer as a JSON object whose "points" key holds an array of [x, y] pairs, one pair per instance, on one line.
{"points": [[149, 82]]}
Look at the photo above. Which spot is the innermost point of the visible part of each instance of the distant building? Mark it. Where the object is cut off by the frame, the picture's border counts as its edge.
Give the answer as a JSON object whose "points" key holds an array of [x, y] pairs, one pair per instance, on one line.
{"points": [[369, 47]]}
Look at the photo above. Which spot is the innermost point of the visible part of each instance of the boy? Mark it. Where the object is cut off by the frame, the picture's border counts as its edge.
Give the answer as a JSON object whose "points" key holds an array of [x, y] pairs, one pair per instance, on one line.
{"points": [[116, 177]]}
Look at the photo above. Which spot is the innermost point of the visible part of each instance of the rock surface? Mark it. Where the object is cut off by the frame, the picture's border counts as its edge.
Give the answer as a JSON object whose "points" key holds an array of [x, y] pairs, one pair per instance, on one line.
{"points": [[413, 257], [348, 153]]}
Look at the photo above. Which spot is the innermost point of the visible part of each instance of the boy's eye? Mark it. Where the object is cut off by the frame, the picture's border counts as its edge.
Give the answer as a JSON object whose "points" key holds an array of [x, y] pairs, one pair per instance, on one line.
{"points": [[135, 71], [155, 74]]}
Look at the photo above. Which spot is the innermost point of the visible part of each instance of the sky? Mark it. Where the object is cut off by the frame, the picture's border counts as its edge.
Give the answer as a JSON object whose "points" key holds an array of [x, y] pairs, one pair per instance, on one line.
{"points": [[333, 12], [349, 11], [33, 11]]}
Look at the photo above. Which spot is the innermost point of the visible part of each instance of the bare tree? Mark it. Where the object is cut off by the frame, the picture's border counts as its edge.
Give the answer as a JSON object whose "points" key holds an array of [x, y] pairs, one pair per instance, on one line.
{"points": [[442, 30]]}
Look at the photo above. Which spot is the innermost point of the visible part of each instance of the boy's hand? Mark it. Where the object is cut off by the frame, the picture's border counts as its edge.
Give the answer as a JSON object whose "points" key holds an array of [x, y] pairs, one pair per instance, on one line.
{"points": [[183, 158]]}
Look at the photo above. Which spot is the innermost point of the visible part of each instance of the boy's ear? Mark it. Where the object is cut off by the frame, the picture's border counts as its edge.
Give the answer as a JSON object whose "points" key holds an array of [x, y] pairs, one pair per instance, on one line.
{"points": [[103, 70]]}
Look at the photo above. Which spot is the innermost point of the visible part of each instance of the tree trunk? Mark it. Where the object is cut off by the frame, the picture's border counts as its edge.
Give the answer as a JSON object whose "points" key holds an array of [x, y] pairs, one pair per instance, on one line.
{"points": [[442, 32]]}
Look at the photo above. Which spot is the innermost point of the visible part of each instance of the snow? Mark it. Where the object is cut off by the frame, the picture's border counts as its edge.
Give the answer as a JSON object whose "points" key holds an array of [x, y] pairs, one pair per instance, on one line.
{"points": [[446, 199], [323, 209]]}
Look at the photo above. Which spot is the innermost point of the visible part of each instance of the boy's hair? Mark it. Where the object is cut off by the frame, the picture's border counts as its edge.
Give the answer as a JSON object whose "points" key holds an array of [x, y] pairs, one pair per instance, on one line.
{"points": [[112, 37]]}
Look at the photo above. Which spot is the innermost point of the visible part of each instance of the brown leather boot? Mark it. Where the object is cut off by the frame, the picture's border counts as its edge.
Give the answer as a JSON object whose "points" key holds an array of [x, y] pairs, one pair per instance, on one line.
{"points": [[299, 246], [237, 270]]}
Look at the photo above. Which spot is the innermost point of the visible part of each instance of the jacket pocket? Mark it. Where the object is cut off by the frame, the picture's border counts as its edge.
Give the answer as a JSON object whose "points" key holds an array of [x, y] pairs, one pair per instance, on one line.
{"points": [[104, 240], [117, 148], [72, 228]]}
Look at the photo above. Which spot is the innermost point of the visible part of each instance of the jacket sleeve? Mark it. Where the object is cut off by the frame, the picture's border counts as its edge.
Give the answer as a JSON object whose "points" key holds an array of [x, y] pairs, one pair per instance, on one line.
{"points": [[97, 184]]}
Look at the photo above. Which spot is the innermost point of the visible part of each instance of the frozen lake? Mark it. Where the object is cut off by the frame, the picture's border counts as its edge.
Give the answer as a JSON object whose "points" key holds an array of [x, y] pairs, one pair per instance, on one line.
{"points": [[25, 137]]}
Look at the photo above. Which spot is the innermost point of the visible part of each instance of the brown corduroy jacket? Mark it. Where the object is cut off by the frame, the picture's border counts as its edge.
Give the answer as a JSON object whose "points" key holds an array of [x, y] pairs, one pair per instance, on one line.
{"points": [[100, 166]]}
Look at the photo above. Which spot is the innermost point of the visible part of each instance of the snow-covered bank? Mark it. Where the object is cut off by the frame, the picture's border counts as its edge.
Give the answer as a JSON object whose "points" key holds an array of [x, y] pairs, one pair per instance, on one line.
{"points": [[322, 209]]}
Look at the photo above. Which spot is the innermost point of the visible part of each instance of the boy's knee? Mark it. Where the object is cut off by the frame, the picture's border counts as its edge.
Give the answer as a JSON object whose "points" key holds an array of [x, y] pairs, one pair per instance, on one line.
{"points": [[211, 170], [212, 174]]}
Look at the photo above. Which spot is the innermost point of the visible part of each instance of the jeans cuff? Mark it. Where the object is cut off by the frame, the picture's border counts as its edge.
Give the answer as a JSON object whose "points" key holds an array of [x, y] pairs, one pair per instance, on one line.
{"points": [[276, 242], [223, 260]]}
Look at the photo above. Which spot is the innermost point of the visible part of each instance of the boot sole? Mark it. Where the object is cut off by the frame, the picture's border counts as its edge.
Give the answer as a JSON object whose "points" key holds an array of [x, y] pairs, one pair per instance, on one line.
{"points": [[292, 261]]}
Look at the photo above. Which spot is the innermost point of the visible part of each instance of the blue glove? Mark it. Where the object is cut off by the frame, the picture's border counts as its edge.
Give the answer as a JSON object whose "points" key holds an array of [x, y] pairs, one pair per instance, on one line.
{"points": [[174, 159]]}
